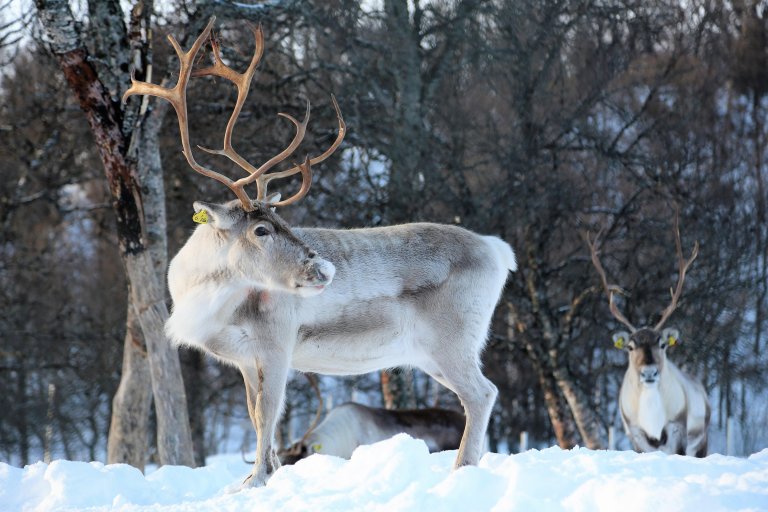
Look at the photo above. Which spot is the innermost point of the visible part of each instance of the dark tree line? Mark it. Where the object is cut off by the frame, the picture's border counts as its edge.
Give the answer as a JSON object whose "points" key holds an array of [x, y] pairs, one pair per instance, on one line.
{"points": [[538, 121]]}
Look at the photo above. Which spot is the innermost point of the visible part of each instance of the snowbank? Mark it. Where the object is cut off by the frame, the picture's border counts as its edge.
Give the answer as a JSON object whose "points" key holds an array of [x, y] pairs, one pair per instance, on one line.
{"points": [[400, 474]]}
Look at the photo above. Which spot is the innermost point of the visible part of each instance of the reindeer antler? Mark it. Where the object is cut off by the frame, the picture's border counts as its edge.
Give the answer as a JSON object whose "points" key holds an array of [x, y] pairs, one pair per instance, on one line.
{"points": [[177, 96], [683, 266], [263, 181], [609, 289]]}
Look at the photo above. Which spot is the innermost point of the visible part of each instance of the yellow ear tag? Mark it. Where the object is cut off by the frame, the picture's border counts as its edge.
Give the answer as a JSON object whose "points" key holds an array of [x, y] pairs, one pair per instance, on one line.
{"points": [[201, 217], [619, 343], [671, 341], [317, 447]]}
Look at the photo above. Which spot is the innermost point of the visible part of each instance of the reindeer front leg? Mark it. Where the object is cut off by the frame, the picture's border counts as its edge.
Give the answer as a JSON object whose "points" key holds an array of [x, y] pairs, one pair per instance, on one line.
{"points": [[672, 439], [697, 443], [265, 390], [676, 438], [640, 441]]}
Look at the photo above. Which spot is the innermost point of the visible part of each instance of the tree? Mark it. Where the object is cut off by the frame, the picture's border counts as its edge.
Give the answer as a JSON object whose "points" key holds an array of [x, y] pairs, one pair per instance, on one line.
{"points": [[113, 130]]}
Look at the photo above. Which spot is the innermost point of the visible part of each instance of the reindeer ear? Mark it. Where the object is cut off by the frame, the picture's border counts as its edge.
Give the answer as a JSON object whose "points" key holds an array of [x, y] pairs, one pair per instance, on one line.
{"points": [[272, 198], [670, 336], [219, 216], [620, 339]]}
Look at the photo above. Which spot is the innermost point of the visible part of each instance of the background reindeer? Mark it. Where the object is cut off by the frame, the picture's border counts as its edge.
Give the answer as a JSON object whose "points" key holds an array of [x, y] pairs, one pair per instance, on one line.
{"points": [[257, 294], [662, 407], [351, 425]]}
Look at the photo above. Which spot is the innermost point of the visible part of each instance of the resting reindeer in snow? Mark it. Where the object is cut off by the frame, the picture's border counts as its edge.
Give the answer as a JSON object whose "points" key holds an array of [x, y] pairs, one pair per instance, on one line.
{"points": [[266, 297], [351, 425], [662, 407]]}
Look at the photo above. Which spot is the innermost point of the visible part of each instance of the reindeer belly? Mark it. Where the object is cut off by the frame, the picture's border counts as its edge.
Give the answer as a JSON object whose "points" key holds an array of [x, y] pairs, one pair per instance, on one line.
{"points": [[351, 356], [363, 338]]}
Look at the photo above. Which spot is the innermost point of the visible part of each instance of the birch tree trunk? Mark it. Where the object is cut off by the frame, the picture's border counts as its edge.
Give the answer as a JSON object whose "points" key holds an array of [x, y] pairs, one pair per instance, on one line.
{"points": [[557, 408], [129, 428], [147, 293], [583, 413], [562, 421]]}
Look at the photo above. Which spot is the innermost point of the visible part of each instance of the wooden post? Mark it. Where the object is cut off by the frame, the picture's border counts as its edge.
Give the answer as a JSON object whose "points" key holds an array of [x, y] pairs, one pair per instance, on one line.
{"points": [[730, 425], [49, 425]]}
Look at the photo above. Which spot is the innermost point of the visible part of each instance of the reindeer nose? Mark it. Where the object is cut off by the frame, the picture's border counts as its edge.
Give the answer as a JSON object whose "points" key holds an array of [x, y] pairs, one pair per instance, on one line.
{"points": [[324, 272], [649, 373]]}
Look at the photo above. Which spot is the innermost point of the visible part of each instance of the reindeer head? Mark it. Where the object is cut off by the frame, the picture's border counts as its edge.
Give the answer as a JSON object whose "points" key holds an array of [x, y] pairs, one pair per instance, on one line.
{"points": [[646, 346], [647, 349], [263, 249], [293, 453]]}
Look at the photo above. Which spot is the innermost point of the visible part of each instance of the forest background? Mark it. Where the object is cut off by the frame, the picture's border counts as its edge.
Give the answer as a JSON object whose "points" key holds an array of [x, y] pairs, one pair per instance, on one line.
{"points": [[537, 121]]}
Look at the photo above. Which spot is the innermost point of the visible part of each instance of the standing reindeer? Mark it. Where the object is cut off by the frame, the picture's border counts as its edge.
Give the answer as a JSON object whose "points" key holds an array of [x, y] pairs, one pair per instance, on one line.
{"points": [[662, 407], [265, 297]]}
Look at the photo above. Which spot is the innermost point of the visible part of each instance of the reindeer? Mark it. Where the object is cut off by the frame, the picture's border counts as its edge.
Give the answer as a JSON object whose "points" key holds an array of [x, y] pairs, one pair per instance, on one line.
{"points": [[265, 297], [662, 407], [351, 425]]}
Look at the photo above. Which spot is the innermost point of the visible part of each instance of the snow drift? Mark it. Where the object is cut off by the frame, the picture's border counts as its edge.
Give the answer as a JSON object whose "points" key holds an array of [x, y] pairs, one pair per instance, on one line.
{"points": [[401, 475]]}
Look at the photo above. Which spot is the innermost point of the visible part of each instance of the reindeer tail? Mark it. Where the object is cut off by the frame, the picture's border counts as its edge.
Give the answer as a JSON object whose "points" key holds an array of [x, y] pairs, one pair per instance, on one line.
{"points": [[504, 253]]}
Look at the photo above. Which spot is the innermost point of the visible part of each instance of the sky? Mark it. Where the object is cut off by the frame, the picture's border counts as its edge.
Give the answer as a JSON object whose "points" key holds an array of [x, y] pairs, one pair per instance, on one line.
{"points": [[399, 474]]}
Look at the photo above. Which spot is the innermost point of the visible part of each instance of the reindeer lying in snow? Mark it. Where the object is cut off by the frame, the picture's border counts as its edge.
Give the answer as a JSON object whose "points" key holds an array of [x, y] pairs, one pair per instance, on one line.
{"points": [[265, 297], [351, 425], [662, 407]]}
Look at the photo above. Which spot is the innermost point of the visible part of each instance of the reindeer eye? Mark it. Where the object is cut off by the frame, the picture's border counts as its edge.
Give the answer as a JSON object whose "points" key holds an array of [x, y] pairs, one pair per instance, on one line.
{"points": [[261, 231]]}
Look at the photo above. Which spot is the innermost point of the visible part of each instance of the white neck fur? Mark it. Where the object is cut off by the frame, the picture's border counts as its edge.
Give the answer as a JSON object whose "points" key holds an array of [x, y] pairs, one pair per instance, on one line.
{"points": [[650, 414]]}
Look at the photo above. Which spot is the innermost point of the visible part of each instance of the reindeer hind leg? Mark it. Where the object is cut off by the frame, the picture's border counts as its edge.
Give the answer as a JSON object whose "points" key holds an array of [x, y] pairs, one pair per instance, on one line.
{"points": [[477, 395]]}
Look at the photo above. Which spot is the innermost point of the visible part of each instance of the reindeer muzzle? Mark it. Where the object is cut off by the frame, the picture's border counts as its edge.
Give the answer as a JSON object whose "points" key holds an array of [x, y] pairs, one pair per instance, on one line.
{"points": [[317, 277], [649, 374]]}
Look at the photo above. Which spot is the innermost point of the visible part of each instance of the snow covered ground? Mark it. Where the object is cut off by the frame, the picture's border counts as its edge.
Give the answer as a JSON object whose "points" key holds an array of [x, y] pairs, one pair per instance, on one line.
{"points": [[400, 475]]}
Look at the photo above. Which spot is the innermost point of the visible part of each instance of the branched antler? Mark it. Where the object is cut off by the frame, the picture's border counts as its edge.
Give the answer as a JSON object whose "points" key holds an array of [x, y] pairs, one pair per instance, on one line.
{"points": [[609, 289], [177, 96], [683, 266]]}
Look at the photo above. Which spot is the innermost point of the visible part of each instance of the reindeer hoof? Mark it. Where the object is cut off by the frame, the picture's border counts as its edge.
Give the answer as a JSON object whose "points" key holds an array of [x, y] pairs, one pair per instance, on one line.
{"points": [[253, 481]]}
